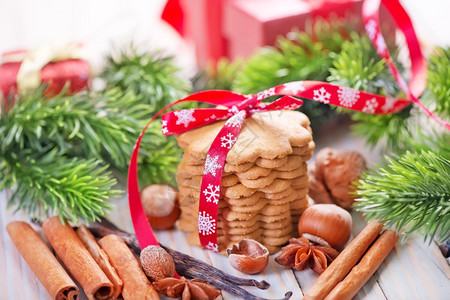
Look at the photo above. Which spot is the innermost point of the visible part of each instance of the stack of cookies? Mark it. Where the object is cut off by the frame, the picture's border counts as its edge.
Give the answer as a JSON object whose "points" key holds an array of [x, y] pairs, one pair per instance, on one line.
{"points": [[264, 184]]}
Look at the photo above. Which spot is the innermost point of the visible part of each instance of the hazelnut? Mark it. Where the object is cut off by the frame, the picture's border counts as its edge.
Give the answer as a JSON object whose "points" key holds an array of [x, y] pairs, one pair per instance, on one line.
{"points": [[157, 263], [326, 224], [248, 256], [332, 176], [160, 204]]}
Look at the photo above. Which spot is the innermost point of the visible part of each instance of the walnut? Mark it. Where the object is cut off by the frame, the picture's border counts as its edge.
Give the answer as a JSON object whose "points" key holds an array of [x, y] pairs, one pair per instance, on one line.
{"points": [[332, 176]]}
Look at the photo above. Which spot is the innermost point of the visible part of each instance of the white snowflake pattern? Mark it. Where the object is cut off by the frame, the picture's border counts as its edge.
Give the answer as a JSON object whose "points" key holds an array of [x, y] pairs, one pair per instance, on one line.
{"points": [[265, 94], [322, 95], [292, 106], [206, 223], [164, 127], [371, 29], [388, 104], [236, 120], [212, 193], [294, 87], [347, 96], [184, 117], [228, 140], [380, 44], [370, 106], [212, 246], [211, 165]]}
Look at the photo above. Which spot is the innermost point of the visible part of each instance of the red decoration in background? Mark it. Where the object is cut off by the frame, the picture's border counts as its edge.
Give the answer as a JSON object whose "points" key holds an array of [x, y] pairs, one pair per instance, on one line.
{"points": [[236, 28], [243, 106], [55, 74]]}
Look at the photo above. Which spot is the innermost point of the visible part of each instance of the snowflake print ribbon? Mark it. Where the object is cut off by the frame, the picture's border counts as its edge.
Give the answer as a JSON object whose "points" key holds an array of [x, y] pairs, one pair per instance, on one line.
{"points": [[235, 108], [418, 80]]}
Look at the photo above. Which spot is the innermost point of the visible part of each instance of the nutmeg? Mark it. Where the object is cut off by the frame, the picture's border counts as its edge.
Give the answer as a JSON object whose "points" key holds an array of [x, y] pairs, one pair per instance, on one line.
{"points": [[332, 176], [157, 263], [248, 256], [160, 204], [326, 224]]}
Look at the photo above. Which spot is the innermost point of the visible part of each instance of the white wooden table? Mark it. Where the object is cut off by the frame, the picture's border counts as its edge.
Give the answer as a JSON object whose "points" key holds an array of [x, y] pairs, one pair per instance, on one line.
{"points": [[412, 271]]}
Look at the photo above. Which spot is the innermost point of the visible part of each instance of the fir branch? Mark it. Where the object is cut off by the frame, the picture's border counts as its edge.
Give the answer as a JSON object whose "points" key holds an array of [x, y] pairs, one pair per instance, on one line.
{"points": [[49, 183], [218, 77], [359, 66], [299, 56], [439, 80], [101, 127], [148, 74], [412, 193]]}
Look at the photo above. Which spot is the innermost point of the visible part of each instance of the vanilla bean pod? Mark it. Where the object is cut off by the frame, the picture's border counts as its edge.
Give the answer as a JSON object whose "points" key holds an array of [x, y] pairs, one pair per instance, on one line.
{"points": [[186, 265]]}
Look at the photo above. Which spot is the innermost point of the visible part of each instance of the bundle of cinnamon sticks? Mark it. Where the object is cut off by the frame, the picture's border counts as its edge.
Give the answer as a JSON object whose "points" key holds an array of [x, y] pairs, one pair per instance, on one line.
{"points": [[355, 265], [104, 270]]}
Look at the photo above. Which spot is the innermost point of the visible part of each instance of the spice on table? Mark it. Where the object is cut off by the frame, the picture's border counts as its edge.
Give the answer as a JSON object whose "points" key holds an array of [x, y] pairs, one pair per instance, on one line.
{"points": [[157, 263], [42, 261], [77, 259], [300, 254], [135, 283], [186, 289], [189, 266], [369, 263], [101, 258], [344, 262]]}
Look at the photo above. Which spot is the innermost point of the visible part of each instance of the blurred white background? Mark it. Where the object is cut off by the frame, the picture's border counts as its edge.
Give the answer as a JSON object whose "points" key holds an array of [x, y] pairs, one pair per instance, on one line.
{"points": [[99, 24]]}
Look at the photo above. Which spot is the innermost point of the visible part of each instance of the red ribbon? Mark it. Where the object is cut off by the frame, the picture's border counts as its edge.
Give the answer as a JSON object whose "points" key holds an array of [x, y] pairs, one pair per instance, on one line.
{"points": [[238, 107], [417, 83]]}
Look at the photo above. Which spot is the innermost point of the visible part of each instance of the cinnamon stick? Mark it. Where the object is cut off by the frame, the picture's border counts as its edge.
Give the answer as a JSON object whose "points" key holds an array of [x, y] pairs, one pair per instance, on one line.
{"points": [[42, 261], [362, 272], [101, 258], [344, 262], [77, 259], [135, 282]]}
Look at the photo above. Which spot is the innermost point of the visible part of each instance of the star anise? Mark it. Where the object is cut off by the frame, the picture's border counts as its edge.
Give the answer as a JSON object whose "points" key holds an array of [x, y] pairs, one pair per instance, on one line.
{"points": [[300, 254], [186, 289]]}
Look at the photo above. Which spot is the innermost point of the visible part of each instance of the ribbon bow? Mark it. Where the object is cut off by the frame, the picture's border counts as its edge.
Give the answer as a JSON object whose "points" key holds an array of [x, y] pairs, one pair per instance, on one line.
{"points": [[236, 107]]}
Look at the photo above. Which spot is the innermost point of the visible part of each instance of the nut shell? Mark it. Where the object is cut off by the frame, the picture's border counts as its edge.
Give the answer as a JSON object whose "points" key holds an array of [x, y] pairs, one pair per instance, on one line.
{"points": [[326, 224], [160, 204], [332, 176], [248, 256], [157, 263]]}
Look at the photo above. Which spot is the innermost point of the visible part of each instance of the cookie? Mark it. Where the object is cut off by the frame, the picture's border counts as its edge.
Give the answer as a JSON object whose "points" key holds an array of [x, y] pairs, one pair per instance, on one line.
{"points": [[266, 135], [293, 162], [304, 150]]}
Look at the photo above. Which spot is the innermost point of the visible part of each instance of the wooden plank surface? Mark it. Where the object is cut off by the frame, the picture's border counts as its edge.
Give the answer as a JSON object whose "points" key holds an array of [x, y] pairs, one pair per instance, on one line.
{"points": [[413, 270]]}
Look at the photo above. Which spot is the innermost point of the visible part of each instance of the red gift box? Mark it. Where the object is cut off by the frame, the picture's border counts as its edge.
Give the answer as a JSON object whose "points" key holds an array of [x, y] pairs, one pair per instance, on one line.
{"points": [[232, 28], [250, 24], [73, 72]]}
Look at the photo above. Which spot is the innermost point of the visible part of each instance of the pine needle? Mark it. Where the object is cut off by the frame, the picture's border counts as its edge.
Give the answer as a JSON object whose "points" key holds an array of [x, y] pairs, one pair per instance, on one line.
{"points": [[411, 193], [299, 56], [150, 75]]}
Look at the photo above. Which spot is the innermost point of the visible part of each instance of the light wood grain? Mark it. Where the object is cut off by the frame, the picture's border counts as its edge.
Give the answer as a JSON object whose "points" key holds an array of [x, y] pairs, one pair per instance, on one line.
{"points": [[411, 271]]}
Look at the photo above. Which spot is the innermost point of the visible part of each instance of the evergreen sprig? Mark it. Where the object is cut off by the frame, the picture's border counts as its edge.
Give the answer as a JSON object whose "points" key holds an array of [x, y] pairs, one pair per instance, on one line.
{"points": [[83, 131], [439, 80], [298, 56], [411, 193], [151, 75], [218, 77], [49, 182], [359, 66]]}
